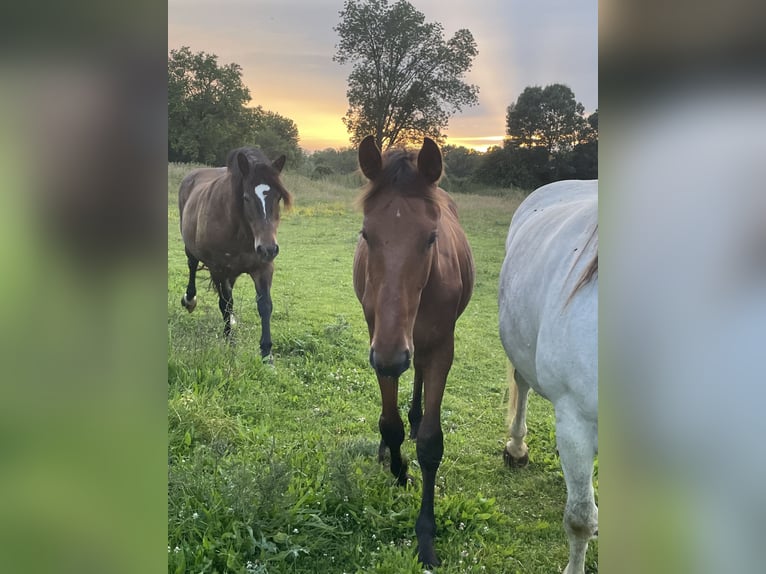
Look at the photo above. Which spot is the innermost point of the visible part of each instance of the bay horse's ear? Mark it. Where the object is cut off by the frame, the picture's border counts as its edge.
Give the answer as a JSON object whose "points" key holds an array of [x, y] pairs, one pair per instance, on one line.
{"points": [[279, 163], [369, 158], [430, 161], [243, 163]]}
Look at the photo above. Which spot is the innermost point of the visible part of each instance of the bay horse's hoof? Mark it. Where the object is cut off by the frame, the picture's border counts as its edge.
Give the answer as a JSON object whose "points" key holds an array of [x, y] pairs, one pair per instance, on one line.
{"points": [[187, 304], [515, 462]]}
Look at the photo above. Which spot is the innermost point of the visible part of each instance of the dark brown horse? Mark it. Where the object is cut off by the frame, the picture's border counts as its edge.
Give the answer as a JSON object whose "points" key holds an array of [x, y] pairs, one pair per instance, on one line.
{"points": [[413, 274], [229, 220]]}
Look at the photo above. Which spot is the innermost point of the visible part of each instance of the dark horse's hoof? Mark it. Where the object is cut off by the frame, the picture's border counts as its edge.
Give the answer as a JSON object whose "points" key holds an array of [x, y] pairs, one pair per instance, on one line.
{"points": [[189, 305], [512, 462], [268, 360], [428, 558]]}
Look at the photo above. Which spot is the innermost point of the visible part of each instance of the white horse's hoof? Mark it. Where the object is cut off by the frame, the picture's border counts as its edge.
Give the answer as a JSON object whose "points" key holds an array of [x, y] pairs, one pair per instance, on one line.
{"points": [[513, 459], [187, 304]]}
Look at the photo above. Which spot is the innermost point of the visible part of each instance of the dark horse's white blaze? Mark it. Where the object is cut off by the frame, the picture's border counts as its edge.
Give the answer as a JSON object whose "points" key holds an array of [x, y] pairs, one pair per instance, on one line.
{"points": [[413, 275], [549, 328], [229, 220]]}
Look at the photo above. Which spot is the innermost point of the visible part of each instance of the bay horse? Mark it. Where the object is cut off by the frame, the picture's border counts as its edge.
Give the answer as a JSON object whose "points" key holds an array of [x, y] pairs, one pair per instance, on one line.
{"points": [[548, 301], [229, 220], [413, 275]]}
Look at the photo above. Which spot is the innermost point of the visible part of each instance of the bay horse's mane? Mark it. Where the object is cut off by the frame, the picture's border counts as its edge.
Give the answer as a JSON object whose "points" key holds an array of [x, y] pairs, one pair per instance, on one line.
{"points": [[400, 174]]}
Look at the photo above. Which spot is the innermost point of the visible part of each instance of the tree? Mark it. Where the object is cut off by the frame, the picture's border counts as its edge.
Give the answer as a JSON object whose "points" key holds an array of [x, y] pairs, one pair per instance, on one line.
{"points": [[549, 117], [524, 167], [275, 135], [406, 81], [584, 157], [460, 162], [206, 107], [593, 122], [330, 160]]}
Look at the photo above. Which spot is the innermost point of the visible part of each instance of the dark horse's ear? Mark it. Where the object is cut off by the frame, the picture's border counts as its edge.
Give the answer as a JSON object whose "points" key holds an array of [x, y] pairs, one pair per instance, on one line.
{"points": [[243, 163], [430, 161], [369, 158], [279, 163]]}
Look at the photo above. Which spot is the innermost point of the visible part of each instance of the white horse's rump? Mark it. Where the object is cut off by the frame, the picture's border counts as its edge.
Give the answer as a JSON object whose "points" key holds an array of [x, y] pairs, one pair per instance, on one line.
{"points": [[548, 302]]}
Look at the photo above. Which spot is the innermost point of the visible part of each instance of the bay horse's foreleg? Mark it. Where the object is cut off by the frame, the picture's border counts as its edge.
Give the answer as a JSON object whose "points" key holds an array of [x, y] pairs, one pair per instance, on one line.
{"points": [[415, 415], [225, 286], [391, 428], [576, 439], [189, 300], [516, 453], [262, 280], [430, 448]]}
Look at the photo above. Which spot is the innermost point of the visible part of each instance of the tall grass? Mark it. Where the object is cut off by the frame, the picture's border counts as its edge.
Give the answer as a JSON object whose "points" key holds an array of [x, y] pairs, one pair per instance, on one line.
{"points": [[274, 470]]}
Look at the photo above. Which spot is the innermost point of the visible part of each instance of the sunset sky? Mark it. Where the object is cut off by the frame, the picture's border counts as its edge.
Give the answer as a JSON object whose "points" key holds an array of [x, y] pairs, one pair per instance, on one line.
{"points": [[285, 49]]}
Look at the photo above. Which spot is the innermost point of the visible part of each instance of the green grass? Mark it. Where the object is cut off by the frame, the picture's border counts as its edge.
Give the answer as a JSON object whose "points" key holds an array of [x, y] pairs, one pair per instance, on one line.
{"points": [[275, 470]]}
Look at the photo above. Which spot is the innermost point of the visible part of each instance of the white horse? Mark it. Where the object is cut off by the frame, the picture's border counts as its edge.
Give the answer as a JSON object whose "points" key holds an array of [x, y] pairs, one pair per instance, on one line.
{"points": [[549, 328]]}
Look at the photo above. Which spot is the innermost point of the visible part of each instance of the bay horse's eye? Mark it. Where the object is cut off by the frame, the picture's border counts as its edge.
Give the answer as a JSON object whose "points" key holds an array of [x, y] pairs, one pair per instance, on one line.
{"points": [[431, 238]]}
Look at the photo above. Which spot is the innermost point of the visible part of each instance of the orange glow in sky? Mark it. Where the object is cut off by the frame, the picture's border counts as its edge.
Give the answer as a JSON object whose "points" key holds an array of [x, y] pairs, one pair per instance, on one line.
{"points": [[285, 49]]}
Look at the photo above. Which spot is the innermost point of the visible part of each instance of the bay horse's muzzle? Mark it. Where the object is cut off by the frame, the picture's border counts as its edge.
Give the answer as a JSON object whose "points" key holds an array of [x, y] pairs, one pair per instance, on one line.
{"points": [[268, 252], [399, 363]]}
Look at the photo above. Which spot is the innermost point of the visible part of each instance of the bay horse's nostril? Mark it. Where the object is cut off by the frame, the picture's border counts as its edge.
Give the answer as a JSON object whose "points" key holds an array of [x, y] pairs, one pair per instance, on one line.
{"points": [[393, 368]]}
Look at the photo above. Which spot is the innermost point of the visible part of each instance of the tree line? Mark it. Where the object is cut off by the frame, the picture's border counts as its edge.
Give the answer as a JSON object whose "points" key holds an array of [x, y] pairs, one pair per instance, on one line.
{"points": [[208, 113], [405, 82]]}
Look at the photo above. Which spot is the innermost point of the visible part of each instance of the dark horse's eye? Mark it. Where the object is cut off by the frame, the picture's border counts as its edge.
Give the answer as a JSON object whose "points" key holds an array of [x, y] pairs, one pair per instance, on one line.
{"points": [[431, 238], [364, 234]]}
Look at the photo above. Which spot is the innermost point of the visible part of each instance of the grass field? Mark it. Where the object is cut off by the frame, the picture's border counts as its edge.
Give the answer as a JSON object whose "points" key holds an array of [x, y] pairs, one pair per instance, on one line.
{"points": [[274, 470]]}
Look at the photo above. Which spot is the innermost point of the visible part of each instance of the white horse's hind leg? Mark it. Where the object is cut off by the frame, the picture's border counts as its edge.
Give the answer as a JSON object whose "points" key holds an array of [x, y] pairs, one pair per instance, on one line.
{"points": [[576, 440], [516, 451]]}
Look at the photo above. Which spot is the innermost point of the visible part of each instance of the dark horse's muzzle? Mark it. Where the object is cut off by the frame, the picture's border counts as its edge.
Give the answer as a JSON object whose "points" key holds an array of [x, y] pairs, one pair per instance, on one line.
{"points": [[268, 252], [399, 363]]}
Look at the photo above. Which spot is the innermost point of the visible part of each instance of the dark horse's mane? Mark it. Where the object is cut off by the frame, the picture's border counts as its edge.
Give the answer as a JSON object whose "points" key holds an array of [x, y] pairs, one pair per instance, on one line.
{"points": [[256, 156], [400, 173]]}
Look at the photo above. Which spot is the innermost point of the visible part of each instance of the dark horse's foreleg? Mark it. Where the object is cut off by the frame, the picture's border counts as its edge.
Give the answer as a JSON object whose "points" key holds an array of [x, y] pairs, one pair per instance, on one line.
{"points": [[189, 300], [391, 428], [225, 286], [415, 414], [262, 280], [430, 448]]}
